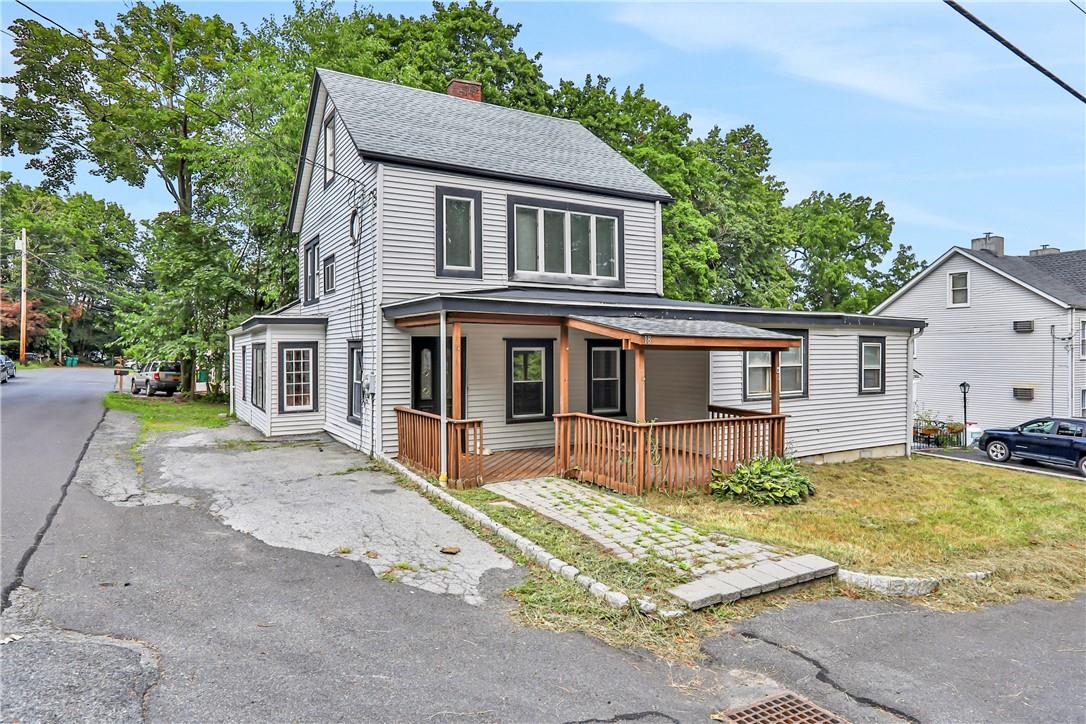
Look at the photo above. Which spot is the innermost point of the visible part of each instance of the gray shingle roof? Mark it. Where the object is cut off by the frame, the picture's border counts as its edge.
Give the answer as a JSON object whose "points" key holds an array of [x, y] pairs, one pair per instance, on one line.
{"points": [[399, 123], [1062, 275], [706, 328]]}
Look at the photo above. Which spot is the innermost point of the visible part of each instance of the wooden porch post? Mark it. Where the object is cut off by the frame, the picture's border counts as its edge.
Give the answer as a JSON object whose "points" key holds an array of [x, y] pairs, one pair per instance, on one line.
{"points": [[775, 382], [563, 367], [457, 374], [639, 384]]}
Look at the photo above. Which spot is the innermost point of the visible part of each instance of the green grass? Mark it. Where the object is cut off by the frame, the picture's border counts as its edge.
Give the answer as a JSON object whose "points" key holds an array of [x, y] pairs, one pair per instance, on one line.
{"points": [[169, 413], [922, 516]]}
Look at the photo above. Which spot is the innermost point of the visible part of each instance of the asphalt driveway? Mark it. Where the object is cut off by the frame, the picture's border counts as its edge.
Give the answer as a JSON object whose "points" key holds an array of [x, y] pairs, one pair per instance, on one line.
{"points": [[976, 456]]}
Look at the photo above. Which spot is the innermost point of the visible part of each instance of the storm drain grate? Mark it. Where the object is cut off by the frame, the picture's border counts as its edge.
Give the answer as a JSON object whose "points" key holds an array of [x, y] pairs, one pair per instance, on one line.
{"points": [[780, 709]]}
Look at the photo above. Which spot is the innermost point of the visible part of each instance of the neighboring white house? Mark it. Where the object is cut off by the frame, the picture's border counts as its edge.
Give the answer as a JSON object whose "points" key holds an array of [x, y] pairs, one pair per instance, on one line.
{"points": [[1013, 327], [502, 271]]}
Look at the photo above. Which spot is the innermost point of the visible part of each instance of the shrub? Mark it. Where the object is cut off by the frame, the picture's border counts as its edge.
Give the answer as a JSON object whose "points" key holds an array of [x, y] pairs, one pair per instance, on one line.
{"points": [[765, 481]]}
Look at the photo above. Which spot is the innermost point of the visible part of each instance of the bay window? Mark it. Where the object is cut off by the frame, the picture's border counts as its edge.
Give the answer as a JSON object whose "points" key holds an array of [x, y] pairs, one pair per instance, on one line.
{"points": [[565, 242], [297, 377]]}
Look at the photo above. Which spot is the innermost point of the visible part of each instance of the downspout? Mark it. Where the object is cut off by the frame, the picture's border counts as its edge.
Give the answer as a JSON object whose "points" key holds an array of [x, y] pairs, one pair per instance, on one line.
{"points": [[910, 403], [442, 436], [1052, 371], [1071, 362]]}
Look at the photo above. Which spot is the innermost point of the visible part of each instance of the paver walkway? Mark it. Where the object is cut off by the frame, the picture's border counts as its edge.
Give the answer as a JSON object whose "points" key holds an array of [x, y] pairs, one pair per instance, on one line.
{"points": [[724, 568]]}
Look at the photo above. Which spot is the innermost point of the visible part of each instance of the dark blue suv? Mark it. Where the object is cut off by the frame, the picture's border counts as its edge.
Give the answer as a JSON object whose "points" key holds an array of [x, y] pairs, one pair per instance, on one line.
{"points": [[1054, 440]]}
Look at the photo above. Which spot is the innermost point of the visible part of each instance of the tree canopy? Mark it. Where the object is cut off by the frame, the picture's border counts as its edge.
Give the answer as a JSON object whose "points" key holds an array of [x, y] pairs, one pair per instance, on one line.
{"points": [[214, 114]]}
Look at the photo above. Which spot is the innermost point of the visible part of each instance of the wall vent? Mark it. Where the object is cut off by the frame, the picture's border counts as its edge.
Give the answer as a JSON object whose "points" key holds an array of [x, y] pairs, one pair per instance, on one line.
{"points": [[1023, 393], [1023, 326]]}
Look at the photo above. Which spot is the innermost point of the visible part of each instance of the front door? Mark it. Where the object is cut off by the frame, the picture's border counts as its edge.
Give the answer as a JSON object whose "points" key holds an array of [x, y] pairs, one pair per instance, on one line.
{"points": [[426, 383]]}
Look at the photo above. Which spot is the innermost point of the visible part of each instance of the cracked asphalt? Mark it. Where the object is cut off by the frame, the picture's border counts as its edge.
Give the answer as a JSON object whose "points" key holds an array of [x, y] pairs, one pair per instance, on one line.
{"points": [[164, 613]]}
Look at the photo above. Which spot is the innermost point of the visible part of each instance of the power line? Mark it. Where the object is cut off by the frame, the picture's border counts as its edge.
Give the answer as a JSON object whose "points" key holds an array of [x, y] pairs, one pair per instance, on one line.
{"points": [[151, 79], [94, 286], [1009, 46], [1080, 8]]}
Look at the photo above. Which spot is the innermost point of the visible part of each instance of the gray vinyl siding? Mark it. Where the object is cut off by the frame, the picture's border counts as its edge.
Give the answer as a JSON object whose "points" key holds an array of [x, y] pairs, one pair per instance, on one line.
{"points": [[244, 408], [408, 270], [977, 344], [295, 423], [833, 417], [352, 308]]}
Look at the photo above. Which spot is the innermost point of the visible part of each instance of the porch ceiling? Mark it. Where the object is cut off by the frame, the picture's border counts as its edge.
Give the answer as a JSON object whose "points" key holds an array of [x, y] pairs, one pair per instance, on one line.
{"points": [[683, 333]]}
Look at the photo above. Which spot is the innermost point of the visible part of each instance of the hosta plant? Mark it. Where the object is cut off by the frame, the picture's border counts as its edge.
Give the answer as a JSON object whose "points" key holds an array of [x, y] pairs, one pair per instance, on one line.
{"points": [[764, 481]]}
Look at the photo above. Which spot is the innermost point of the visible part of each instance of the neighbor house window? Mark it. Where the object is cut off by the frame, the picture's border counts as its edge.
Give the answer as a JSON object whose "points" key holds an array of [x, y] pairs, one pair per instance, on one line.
{"points": [[354, 377], [243, 358], [529, 371], [297, 377], [309, 270], [759, 369], [459, 237], [258, 376], [329, 150], [872, 365], [958, 289], [581, 244], [606, 378], [328, 273], [1082, 403]]}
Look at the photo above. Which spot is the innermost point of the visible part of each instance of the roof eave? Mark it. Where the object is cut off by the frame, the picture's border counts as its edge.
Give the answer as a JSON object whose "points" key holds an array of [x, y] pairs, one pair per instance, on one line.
{"points": [[293, 220]]}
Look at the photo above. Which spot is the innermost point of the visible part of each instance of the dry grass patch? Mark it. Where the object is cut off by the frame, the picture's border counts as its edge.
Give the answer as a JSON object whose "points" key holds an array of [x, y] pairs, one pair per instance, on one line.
{"points": [[922, 516]]}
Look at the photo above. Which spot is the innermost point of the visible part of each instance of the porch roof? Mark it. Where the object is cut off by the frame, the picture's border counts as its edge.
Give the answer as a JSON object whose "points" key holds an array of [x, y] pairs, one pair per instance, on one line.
{"points": [[523, 300], [662, 332]]}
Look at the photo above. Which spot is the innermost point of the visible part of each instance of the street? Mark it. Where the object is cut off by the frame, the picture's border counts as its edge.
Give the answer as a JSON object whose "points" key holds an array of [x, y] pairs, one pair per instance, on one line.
{"points": [[158, 611]]}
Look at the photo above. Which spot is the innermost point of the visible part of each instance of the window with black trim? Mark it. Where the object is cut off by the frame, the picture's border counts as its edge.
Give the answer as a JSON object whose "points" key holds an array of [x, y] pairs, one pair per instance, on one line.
{"points": [[758, 369], [459, 232], [244, 356], [309, 271], [529, 372], [329, 150], [328, 273], [354, 381], [606, 378], [872, 365], [554, 241], [297, 377], [259, 367]]}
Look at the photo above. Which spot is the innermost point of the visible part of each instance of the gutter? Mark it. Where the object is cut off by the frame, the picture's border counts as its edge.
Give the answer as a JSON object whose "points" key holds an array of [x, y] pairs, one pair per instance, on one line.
{"points": [[910, 403]]}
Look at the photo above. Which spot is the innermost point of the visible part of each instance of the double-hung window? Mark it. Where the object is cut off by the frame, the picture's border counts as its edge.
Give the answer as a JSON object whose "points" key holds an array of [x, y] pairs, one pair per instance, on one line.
{"points": [[529, 375], [566, 242], [606, 378], [872, 365], [354, 375], [297, 376], [957, 289], [258, 376], [329, 150], [759, 369], [328, 273], [309, 271], [1082, 341], [244, 357], [459, 238]]}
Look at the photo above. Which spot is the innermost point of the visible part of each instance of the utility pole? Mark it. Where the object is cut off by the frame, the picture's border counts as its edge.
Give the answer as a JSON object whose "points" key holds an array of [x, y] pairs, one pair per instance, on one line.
{"points": [[22, 303]]}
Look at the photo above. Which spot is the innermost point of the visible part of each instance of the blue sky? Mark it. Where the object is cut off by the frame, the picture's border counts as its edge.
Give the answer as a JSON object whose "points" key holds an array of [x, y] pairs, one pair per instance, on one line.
{"points": [[904, 102]]}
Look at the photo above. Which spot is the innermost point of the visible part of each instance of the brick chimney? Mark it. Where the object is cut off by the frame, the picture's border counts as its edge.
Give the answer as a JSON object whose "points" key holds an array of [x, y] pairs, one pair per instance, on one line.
{"points": [[1045, 250], [990, 243], [468, 89]]}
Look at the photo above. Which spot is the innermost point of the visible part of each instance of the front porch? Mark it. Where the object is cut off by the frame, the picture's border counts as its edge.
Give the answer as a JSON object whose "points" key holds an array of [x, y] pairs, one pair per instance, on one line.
{"points": [[673, 443]]}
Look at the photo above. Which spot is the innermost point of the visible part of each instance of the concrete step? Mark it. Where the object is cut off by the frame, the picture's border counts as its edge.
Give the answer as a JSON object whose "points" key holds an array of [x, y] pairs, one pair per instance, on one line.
{"points": [[750, 581]]}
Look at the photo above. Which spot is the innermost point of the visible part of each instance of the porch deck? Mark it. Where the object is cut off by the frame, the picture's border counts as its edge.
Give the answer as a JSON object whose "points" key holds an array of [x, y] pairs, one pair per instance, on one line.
{"points": [[506, 465]]}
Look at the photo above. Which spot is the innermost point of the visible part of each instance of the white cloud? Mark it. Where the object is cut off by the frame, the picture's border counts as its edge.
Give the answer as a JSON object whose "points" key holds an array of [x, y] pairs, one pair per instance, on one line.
{"points": [[891, 52]]}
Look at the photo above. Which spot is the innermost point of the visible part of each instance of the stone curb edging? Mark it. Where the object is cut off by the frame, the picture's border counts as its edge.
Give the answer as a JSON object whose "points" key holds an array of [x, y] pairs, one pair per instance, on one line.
{"points": [[900, 586], [614, 599]]}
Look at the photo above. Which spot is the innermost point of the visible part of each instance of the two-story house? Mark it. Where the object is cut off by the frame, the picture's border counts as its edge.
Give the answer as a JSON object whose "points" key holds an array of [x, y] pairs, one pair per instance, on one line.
{"points": [[480, 295], [1013, 327]]}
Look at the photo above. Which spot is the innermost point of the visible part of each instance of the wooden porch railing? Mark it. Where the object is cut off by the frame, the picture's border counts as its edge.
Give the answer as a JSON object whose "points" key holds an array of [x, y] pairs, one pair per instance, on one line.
{"points": [[419, 445], [634, 458]]}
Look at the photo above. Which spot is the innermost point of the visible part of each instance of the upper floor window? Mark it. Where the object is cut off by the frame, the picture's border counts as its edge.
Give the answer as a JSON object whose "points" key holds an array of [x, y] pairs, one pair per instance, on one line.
{"points": [[957, 289], [1082, 341], [554, 241], [459, 238], [872, 365], [309, 272], [329, 150], [328, 273], [759, 369]]}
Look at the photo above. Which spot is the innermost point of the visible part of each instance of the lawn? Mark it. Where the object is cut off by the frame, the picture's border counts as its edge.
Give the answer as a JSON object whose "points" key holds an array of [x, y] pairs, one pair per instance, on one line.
{"points": [[159, 414], [923, 516]]}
